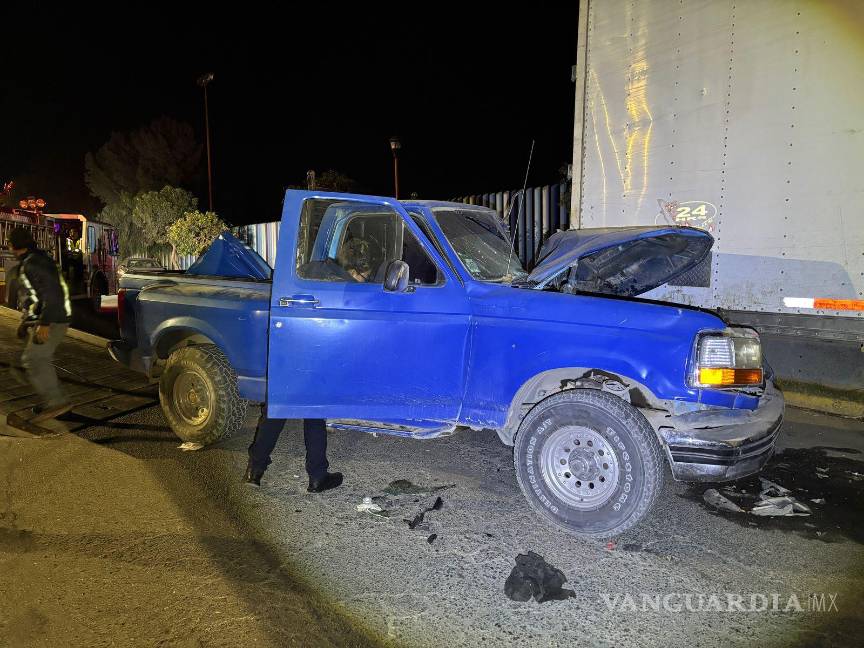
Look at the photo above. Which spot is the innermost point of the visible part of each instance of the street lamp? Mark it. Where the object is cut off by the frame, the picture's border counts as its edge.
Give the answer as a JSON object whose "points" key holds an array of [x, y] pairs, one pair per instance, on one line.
{"points": [[395, 145], [204, 81]]}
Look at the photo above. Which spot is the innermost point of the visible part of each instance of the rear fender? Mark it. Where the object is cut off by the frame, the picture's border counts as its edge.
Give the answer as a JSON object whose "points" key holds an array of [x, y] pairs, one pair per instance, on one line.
{"points": [[176, 332]]}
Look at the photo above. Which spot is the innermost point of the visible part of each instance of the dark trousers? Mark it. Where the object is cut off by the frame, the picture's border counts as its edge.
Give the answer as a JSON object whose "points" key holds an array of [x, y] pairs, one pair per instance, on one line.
{"points": [[314, 435]]}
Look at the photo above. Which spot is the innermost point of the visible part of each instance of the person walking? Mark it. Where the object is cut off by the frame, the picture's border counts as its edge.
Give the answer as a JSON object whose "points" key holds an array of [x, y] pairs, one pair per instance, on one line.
{"points": [[315, 437], [47, 315]]}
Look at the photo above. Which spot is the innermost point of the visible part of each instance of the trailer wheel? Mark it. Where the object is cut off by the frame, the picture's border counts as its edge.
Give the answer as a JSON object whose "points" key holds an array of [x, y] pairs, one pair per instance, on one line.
{"points": [[588, 462], [198, 393]]}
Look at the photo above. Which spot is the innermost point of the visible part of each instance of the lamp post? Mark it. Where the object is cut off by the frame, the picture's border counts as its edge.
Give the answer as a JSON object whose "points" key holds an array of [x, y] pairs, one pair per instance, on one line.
{"points": [[395, 145], [204, 81]]}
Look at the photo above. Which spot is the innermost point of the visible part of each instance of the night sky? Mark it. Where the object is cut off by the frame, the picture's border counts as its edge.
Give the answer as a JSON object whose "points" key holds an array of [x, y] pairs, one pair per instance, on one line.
{"points": [[295, 89]]}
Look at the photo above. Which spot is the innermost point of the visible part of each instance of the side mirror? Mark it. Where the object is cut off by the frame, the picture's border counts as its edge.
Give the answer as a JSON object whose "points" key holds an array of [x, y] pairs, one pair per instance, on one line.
{"points": [[396, 276]]}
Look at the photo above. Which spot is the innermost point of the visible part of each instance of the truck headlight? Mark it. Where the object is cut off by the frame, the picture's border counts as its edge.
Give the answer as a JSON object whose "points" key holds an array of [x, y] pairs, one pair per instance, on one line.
{"points": [[729, 358]]}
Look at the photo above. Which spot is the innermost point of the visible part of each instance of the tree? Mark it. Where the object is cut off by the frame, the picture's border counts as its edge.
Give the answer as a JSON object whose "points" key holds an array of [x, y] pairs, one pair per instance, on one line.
{"points": [[154, 211], [192, 234], [130, 166], [164, 152]]}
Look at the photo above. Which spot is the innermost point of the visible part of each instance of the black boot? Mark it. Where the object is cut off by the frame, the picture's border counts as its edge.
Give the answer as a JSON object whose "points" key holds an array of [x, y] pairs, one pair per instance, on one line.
{"points": [[253, 475], [328, 481]]}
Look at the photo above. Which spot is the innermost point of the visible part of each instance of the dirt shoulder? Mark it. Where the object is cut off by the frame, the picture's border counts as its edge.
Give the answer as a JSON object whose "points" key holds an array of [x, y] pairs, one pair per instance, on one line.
{"points": [[95, 552]]}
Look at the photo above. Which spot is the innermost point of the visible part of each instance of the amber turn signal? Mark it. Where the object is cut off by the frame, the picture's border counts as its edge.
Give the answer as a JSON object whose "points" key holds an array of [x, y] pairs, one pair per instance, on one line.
{"points": [[730, 377]]}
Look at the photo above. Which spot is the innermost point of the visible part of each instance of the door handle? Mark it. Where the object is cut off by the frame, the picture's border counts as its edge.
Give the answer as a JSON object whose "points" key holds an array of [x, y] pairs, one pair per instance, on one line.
{"points": [[298, 300]]}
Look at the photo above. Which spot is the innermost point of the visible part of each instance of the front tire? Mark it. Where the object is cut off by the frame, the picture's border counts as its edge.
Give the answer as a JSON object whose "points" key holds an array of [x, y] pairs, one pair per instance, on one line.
{"points": [[199, 396], [588, 462]]}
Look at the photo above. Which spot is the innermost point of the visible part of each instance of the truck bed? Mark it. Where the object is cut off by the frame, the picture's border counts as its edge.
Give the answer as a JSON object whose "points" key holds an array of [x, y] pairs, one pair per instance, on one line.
{"points": [[160, 311]]}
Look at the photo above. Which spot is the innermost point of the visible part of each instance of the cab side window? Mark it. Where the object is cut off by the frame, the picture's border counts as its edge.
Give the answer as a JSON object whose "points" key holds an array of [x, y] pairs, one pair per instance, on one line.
{"points": [[355, 242]]}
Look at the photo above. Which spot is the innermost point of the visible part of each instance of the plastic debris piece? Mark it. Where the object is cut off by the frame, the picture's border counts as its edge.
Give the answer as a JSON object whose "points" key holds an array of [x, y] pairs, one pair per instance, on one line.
{"points": [[610, 546], [767, 509], [190, 446], [800, 507], [820, 500], [533, 577], [821, 473], [718, 501], [855, 475], [771, 488], [432, 538], [368, 506]]}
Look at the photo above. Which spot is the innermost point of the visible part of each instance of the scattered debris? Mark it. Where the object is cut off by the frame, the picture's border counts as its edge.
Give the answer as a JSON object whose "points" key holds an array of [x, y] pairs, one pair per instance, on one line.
{"points": [[368, 506], [775, 506], [417, 519], [855, 475], [773, 500], [432, 538], [610, 546], [715, 499], [822, 473], [819, 500], [533, 577], [190, 446], [405, 487], [772, 489]]}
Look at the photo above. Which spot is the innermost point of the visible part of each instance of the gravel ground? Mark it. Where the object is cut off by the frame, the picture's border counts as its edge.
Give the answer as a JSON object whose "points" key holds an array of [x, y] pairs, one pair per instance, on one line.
{"points": [[115, 537]]}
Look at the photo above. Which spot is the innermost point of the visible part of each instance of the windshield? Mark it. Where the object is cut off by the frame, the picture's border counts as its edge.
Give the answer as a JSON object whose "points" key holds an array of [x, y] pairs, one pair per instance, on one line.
{"points": [[480, 242]]}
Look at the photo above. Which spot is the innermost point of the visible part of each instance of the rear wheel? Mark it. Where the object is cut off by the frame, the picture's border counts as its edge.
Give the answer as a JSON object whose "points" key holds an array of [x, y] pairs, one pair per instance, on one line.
{"points": [[588, 462], [199, 396]]}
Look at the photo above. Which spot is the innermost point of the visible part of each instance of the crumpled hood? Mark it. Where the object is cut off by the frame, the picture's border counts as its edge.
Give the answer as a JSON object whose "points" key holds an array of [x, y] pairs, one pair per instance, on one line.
{"points": [[228, 256], [625, 261]]}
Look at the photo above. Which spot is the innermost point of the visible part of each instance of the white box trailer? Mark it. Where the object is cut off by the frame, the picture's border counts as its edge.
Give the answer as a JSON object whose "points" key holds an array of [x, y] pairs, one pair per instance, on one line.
{"points": [[745, 118]]}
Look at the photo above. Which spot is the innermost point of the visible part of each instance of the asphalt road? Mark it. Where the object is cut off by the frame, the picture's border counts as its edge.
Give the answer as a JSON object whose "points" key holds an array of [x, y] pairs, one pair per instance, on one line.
{"points": [[114, 536]]}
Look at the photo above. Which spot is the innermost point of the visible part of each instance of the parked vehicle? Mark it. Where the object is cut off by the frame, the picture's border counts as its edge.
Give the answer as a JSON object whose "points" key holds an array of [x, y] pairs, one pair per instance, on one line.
{"points": [[743, 119], [138, 264], [43, 234], [87, 251], [417, 319]]}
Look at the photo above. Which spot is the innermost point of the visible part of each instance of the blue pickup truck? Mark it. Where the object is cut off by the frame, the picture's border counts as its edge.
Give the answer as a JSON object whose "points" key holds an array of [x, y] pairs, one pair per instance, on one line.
{"points": [[416, 319]]}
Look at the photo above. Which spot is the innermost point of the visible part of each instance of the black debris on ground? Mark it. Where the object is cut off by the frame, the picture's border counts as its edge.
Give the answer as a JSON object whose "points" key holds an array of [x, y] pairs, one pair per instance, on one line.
{"points": [[432, 538], [533, 577], [405, 487], [417, 519]]}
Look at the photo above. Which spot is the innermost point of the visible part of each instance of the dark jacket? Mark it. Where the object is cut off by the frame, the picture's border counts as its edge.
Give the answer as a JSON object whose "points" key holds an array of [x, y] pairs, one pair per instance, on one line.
{"points": [[43, 289]]}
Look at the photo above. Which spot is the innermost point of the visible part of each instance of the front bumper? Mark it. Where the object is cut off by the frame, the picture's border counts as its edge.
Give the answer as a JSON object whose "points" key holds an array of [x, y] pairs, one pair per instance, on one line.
{"points": [[723, 444]]}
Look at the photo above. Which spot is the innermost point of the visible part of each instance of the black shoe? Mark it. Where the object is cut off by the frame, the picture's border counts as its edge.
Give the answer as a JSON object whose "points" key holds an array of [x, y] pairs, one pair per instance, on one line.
{"points": [[253, 476], [328, 481]]}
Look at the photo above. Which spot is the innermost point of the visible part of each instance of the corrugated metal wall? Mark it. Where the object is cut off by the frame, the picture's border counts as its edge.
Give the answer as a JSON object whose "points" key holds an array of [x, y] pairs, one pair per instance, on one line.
{"points": [[544, 213], [261, 237]]}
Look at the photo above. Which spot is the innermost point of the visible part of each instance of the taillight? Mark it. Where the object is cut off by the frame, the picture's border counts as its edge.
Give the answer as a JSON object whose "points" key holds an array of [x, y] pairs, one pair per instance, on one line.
{"points": [[121, 308]]}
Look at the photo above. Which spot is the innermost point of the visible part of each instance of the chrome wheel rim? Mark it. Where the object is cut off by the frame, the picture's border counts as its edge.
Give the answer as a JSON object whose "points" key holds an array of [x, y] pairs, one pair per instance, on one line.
{"points": [[580, 467], [192, 398]]}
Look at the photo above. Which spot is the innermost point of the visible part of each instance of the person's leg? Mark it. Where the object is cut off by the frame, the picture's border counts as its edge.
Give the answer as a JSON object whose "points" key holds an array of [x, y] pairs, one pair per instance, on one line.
{"points": [[37, 361], [315, 437], [266, 435]]}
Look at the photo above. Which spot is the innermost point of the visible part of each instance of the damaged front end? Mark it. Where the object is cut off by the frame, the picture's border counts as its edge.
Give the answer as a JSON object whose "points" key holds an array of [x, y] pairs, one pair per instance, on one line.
{"points": [[721, 444]]}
